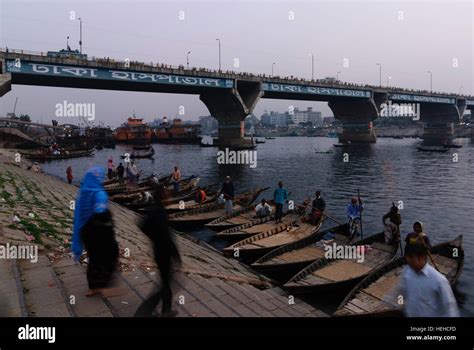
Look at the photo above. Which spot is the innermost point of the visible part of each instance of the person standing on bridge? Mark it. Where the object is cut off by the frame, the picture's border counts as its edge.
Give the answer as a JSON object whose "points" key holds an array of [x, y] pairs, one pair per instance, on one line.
{"points": [[94, 230]]}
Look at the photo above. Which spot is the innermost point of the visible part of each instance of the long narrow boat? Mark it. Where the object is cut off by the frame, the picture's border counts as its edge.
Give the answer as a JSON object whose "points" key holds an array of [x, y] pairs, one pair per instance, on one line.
{"points": [[238, 217], [166, 190], [284, 262], [190, 203], [370, 297], [256, 226], [193, 218], [252, 248], [432, 148], [338, 274], [64, 155]]}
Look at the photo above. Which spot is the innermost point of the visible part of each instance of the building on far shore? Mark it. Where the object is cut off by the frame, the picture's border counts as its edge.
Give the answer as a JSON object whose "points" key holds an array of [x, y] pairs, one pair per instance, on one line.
{"points": [[292, 118]]}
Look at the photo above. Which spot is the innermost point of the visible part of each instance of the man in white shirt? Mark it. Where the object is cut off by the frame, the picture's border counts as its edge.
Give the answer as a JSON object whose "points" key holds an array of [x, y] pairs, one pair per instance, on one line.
{"points": [[263, 209], [425, 291]]}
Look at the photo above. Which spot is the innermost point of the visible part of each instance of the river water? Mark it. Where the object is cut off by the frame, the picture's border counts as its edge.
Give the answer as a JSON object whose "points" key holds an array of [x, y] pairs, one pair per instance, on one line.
{"points": [[435, 188]]}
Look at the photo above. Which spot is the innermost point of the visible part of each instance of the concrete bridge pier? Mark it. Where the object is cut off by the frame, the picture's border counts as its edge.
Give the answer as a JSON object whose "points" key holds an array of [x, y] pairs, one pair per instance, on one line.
{"points": [[5, 79], [230, 108], [438, 122], [356, 117]]}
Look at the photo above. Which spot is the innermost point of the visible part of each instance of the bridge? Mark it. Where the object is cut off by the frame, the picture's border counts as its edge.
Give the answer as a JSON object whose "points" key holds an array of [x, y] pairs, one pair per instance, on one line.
{"points": [[231, 97]]}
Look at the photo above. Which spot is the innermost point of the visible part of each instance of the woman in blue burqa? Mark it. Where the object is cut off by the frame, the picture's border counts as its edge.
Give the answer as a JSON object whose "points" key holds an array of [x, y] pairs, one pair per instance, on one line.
{"points": [[94, 231]]}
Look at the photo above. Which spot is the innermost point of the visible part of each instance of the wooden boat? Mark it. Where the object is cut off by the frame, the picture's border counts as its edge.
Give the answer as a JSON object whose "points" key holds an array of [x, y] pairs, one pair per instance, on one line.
{"points": [[207, 145], [370, 296], [190, 203], [432, 148], [259, 141], [144, 147], [238, 217], [135, 155], [256, 226], [252, 248], [64, 155], [284, 262], [269, 138], [331, 274], [163, 190], [453, 145], [197, 217]]}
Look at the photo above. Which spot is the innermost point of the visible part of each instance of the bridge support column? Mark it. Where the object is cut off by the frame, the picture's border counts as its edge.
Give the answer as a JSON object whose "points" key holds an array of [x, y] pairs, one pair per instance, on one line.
{"points": [[357, 133], [230, 108], [438, 120], [356, 117], [5, 79], [438, 133]]}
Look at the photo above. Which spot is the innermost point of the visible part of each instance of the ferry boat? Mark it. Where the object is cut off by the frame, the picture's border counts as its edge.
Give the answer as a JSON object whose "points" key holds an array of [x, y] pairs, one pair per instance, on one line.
{"points": [[134, 131], [177, 132]]}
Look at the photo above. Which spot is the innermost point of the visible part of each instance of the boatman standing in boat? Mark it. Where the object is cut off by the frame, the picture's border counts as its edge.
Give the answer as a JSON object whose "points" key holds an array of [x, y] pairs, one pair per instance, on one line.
{"points": [[424, 292], [228, 191], [176, 177], [280, 196], [318, 207], [392, 228], [354, 209], [418, 236]]}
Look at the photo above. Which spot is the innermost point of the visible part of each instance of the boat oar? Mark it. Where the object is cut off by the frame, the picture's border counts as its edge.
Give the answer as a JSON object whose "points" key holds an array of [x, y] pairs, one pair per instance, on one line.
{"points": [[400, 239], [429, 253], [330, 217], [360, 213]]}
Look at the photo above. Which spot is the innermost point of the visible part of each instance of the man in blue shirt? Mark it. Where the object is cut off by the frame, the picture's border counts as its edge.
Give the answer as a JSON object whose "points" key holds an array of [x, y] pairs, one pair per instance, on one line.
{"points": [[354, 209], [280, 196]]}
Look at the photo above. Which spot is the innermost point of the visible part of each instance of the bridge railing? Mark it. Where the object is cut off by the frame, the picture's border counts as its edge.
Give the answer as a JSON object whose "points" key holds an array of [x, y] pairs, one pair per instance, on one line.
{"points": [[199, 71]]}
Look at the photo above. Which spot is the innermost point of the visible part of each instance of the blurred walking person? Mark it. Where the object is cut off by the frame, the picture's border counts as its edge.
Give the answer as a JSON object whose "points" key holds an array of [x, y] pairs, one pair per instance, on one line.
{"points": [[155, 226], [94, 231]]}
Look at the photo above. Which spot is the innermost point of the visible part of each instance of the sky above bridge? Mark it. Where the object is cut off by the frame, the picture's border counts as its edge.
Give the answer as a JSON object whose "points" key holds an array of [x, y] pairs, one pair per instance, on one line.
{"points": [[350, 37]]}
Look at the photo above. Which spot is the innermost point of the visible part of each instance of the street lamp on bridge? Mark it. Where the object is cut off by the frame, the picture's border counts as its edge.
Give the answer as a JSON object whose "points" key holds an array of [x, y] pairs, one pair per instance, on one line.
{"points": [[187, 59], [67, 42], [273, 65], [219, 41], [380, 73], [337, 75], [80, 34], [312, 66], [431, 79]]}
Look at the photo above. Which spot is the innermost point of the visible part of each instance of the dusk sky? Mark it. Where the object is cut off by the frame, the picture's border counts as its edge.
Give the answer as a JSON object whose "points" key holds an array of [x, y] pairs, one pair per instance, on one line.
{"points": [[407, 38]]}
